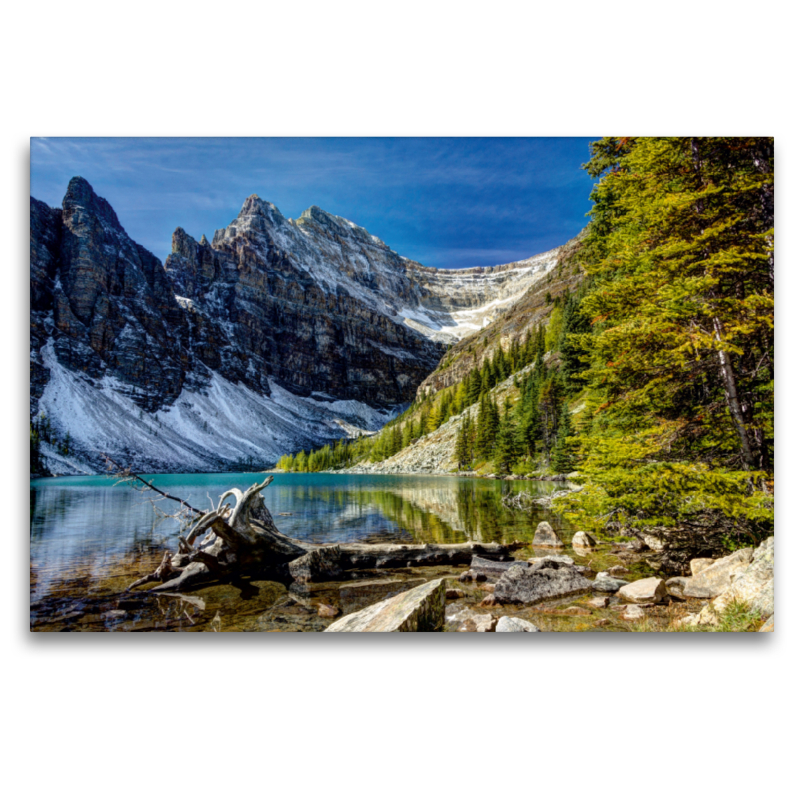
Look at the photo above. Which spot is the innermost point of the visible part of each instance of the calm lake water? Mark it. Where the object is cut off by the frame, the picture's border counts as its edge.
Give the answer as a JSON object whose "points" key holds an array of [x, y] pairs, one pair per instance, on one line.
{"points": [[90, 538]]}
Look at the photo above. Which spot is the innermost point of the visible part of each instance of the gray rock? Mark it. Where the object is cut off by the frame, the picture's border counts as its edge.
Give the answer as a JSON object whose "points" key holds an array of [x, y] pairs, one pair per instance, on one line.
{"points": [[545, 536], [647, 590], [583, 540], [515, 625], [675, 587], [492, 569], [606, 583], [419, 609], [557, 558], [317, 565], [539, 582]]}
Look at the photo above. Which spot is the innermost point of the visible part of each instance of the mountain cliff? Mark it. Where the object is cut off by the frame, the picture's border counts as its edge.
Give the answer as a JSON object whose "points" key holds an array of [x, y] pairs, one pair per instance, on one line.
{"points": [[277, 335]]}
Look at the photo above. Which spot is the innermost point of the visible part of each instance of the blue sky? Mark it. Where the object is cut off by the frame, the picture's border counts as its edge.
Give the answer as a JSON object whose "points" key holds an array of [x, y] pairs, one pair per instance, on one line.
{"points": [[446, 202]]}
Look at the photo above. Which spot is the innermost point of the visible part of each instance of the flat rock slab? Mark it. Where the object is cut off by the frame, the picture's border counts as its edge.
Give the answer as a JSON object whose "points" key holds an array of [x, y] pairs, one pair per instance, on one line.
{"points": [[356, 595], [515, 625], [647, 590], [419, 609], [540, 582]]}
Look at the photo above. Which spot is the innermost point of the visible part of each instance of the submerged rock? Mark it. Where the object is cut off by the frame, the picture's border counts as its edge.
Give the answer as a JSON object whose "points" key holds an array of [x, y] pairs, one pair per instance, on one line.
{"points": [[492, 569], [539, 582], [419, 609], [515, 625]]}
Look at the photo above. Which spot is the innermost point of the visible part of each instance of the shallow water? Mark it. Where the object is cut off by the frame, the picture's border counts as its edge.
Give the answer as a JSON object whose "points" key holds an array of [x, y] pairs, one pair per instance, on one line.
{"points": [[91, 537]]}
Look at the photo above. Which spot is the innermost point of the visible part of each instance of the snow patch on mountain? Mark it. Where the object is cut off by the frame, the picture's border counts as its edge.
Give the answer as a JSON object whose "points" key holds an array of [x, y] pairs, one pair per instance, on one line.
{"points": [[220, 426]]}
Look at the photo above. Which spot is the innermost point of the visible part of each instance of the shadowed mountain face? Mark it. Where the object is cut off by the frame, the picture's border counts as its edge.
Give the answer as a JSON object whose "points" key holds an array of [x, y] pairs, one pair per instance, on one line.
{"points": [[276, 336]]}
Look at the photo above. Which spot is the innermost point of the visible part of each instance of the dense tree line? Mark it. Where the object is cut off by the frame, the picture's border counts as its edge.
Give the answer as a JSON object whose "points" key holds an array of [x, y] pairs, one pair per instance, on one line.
{"points": [[680, 257]]}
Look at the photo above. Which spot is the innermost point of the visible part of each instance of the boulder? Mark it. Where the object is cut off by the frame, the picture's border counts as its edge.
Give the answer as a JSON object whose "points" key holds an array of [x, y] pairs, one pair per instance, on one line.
{"points": [[599, 602], [697, 565], [582, 540], [545, 536], [489, 601], [605, 583], [324, 610], [359, 594], [455, 594], [675, 587], [539, 582], [515, 625], [754, 584], [717, 577], [419, 609], [618, 569], [317, 565], [632, 612], [647, 590]]}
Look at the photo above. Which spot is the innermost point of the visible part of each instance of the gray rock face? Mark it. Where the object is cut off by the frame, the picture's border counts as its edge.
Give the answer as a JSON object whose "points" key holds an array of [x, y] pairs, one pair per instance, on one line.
{"points": [[647, 590], [545, 536], [271, 314], [515, 625], [419, 609], [539, 582]]}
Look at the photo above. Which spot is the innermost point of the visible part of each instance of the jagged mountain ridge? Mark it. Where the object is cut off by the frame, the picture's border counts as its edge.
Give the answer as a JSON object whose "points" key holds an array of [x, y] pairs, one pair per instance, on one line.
{"points": [[278, 335]]}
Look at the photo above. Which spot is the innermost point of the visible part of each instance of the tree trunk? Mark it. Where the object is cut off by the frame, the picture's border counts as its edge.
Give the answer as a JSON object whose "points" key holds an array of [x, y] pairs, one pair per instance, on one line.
{"points": [[732, 398]]}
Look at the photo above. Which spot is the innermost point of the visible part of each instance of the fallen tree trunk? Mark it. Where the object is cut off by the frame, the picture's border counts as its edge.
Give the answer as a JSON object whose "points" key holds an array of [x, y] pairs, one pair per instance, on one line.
{"points": [[243, 541]]}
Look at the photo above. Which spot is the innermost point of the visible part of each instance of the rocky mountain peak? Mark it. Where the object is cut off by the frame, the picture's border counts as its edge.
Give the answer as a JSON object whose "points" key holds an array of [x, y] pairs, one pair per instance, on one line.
{"points": [[81, 197], [183, 244]]}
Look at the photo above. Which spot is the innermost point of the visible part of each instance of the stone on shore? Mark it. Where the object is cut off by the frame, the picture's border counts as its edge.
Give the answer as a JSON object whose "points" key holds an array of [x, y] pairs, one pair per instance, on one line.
{"points": [[675, 587], [545, 536], [515, 625], [647, 590], [492, 569], [697, 565], [561, 559], [604, 582], [540, 582], [714, 579], [317, 565], [599, 602], [632, 612], [583, 540], [754, 584], [419, 609]]}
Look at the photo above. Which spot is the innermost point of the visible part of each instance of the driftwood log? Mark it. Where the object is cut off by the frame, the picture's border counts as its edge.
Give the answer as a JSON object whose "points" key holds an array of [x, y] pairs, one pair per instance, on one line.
{"points": [[230, 542]]}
